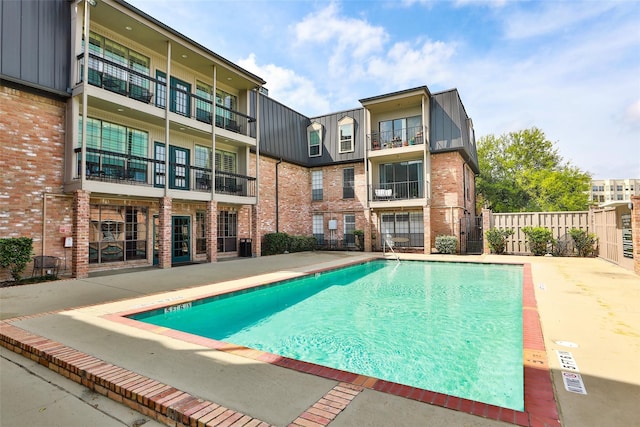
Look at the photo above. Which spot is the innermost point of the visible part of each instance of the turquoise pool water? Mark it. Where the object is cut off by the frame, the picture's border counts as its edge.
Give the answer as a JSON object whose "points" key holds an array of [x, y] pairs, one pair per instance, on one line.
{"points": [[454, 328]]}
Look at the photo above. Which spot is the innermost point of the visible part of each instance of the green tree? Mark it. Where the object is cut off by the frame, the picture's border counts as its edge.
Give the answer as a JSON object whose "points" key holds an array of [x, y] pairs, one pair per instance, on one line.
{"points": [[522, 171]]}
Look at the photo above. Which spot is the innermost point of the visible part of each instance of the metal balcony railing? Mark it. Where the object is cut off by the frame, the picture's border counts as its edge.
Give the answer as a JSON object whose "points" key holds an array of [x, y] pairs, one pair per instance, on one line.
{"points": [[402, 190], [396, 138], [108, 166], [131, 83]]}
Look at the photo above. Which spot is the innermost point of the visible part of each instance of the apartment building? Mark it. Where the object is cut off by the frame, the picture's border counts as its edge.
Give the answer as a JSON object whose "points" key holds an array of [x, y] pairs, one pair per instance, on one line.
{"points": [[124, 143], [613, 191]]}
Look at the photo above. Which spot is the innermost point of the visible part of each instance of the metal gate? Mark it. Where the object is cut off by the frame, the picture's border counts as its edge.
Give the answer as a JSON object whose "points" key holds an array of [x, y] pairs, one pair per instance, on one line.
{"points": [[471, 235]]}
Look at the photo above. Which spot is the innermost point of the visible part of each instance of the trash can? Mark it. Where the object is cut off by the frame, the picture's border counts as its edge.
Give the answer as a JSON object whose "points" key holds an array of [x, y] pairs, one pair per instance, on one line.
{"points": [[245, 248]]}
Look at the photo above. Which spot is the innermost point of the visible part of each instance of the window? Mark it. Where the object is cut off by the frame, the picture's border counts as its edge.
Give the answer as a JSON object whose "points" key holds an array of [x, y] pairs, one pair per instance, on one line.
{"points": [[202, 167], [201, 232], [227, 231], [618, 187], [314, 137], [114, 151], [409, 225], [347, 183], [117, 233], [316, 185], [403, 179], [318, 228], [401, 131], [226, 180], [118, 68], [349, 228], [226, 105], [204, 94], [179, 95], [161, 89], [160, 169], [345, 130]]}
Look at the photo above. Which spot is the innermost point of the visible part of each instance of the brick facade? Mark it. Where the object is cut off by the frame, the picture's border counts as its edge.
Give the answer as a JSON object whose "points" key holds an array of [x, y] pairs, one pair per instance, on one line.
{"points": [[35, 204], [450, 202], [32, 138]]}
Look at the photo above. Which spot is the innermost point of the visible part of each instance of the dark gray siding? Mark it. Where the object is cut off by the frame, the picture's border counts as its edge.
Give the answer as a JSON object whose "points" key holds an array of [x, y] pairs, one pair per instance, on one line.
{"points": [[331, 138], [283, 132], [450, 127], [35, 43]]}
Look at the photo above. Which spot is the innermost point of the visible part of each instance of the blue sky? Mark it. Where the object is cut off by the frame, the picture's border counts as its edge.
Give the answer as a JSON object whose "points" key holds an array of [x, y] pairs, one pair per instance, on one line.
{"points": [[570, 68]]}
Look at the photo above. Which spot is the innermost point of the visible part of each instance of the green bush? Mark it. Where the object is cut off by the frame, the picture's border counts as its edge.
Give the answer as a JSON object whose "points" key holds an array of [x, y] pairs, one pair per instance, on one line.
{"points": [[585, 242], [279, 243], [15, 254], [540, 239], [301, 243], [275, 243], [446, 244], [497, 239]]}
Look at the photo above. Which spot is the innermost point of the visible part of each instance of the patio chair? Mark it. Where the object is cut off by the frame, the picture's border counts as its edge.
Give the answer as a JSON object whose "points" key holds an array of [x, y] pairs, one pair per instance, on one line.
{"points": [[47, 265]]}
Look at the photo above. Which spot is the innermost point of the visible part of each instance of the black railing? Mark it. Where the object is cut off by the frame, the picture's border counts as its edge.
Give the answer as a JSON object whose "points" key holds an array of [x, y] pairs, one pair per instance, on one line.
{"points": [[397, 138], [126, 81], [402, 190], [108, 166]]}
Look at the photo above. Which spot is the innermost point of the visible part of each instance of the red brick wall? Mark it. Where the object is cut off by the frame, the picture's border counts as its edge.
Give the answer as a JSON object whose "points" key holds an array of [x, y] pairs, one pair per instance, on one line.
{"points": [[294, 197], [294, 184], [32, 139], [448, 201]]}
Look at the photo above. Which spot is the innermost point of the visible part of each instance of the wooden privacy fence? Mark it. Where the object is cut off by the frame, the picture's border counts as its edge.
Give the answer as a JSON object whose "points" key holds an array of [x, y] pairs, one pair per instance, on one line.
{"points": [[604, 224], [558, 222]]}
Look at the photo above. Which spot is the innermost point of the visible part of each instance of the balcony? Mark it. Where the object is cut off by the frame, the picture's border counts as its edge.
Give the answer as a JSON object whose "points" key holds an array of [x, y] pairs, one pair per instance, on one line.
{"points": [[119, 168], [396, 191], [396, 138], [128, 82]]}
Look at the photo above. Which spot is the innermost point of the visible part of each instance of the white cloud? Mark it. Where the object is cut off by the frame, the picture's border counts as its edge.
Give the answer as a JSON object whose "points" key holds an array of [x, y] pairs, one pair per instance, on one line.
{"points": [[552, 17], [406, 65], [632, 114], [289, 88]]}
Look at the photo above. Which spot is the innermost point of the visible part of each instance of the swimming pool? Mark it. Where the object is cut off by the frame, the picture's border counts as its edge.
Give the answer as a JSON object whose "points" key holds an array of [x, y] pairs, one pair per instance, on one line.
{"points": [[454, 328]]}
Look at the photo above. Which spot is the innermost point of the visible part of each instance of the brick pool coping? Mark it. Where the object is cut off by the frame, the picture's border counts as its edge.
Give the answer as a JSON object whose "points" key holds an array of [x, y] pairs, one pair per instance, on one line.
{"points": [[172, 406]]}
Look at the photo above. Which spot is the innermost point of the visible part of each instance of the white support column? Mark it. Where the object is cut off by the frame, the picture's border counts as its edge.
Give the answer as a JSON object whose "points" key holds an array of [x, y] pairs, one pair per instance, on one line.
{"points": [[167, 98]]}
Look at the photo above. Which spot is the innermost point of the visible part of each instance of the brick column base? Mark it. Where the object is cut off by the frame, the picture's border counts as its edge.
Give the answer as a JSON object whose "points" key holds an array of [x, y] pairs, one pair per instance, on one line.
{"points": [[367, 230], [212, 231], [426, 221], [256, 242], [81, 221], [486, 226], [164, 233]]}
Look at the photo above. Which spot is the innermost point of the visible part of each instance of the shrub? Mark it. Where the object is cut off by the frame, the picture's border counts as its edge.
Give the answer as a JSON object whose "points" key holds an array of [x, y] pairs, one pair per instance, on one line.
{"points": [[585, 242], [446, 244], [275, 243], [279, 243], [15, 254], [301, 243], [498, 239], [540, 239]]}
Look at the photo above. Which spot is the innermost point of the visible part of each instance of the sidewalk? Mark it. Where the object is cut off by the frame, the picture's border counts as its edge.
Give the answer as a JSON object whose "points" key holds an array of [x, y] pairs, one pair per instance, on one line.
{"points": [[585, 301]]}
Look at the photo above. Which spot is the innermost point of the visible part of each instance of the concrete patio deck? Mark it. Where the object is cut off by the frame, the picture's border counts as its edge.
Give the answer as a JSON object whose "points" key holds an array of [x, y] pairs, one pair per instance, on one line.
{"points": [[588, 302]]}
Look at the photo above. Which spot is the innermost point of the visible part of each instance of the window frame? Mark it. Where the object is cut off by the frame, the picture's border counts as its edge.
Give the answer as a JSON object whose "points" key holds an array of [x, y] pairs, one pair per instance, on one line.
{"points": [[348, 186], [317, 228], [317, 185], [314, 129], [346, 124]]}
